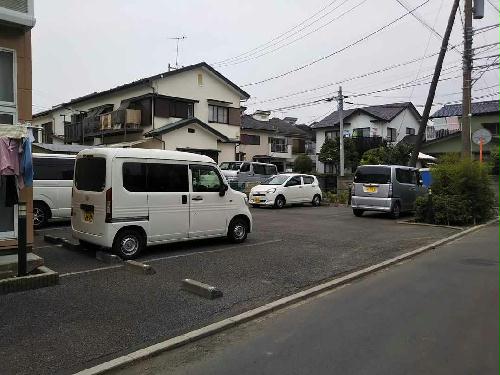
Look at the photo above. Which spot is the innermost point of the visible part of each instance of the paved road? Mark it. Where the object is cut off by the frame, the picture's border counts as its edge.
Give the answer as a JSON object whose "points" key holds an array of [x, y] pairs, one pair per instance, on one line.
{"points": [[98, 313], [436, 314]]}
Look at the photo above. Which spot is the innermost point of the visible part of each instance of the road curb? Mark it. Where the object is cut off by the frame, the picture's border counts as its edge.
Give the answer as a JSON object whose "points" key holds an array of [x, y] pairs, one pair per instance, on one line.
{"points": [[225, 324]]}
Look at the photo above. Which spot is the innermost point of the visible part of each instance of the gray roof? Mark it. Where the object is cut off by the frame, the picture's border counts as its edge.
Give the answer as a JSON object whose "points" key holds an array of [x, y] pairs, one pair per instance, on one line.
{"points": [[146, 80], [63, 149], [181, 123], [478, 108], [274, 125], [383, 112]]}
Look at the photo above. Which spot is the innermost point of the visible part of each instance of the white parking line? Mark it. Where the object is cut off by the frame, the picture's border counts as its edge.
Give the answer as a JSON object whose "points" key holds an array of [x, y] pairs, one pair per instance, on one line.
{"points": [[45, 246], [172, 257], [53, 228], [211, 251], [89, 271]]}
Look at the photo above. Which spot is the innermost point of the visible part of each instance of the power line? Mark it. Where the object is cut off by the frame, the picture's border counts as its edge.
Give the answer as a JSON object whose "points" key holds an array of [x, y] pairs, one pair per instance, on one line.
{"points": [[253, 57], [335, 52], [494, 6], [279, 36]]}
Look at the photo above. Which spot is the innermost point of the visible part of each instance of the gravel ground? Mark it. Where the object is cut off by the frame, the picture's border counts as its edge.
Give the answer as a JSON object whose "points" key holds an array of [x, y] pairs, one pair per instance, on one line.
{"points": [[96, 316]]}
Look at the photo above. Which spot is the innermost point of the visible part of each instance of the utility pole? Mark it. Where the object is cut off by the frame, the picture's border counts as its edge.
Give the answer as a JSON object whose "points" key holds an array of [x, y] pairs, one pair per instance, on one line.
{"points": [[467, 80], [340, 102], [432, 89]]}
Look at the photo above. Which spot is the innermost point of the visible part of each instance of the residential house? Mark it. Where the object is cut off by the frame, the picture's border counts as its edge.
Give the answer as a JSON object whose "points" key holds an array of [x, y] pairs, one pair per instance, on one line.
{"points": [[389, 122], [271, 140], [445, 135], [194, 108], [16, 20]]}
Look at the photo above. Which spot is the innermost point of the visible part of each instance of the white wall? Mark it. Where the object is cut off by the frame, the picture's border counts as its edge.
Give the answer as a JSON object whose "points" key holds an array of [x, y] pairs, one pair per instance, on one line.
{"points": [[400, 122], [184, 85]]}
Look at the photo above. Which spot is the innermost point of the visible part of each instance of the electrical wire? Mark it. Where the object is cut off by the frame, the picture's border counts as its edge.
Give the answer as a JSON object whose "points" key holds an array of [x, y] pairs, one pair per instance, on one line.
{"points": [[360, 40], [279, 36], [253, 57], [494, 6]]}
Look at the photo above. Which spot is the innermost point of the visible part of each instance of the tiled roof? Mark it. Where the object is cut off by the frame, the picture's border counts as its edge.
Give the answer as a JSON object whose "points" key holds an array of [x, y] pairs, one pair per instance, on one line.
{"points": [[274, 125], [478, 108], [383, 112], [142, 81]]}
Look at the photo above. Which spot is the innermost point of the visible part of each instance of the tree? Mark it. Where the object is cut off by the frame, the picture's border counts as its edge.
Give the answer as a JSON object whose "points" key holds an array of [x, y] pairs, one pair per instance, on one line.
{"points": [[330, 153], [302, 164], [388, 154]]}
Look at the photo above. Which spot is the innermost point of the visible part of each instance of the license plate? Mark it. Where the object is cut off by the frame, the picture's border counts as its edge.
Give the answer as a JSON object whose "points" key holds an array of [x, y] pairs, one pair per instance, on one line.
{"points": [[256, 200], [88, 216], [371, 189]]}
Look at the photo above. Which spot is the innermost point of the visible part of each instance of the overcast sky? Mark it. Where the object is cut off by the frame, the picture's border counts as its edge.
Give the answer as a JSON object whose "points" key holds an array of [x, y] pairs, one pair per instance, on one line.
{"points": [[85, 46]]}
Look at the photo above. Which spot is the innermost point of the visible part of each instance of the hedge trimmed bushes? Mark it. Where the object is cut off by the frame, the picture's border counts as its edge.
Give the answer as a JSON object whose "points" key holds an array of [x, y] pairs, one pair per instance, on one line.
{"points": [[461, 194]]}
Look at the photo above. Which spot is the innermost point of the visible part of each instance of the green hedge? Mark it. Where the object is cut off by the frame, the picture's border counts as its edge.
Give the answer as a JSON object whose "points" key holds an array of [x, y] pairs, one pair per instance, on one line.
{"points": [[460, 194]]}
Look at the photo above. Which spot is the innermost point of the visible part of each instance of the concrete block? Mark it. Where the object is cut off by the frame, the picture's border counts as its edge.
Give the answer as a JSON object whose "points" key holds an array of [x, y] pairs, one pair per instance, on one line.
{"points": [[69, 245], [139, 267], [44, 277], [201, 289], [9, 262], [107, 257], [52, 239], [6, 274]]}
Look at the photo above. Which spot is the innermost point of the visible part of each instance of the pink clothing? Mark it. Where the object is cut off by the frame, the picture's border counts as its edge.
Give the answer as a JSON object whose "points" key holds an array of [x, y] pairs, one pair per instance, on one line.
{"points": [[9, 157]]}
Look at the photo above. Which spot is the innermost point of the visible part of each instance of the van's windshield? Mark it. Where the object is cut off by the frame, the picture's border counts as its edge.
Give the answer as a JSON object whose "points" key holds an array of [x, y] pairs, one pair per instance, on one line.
{"points": [[230, 166], [373, 175], [90, 174]]}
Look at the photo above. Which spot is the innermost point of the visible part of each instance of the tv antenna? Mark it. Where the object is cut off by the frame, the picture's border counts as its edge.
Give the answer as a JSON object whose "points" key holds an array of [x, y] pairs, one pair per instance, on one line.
{"points": [[178, 39]]}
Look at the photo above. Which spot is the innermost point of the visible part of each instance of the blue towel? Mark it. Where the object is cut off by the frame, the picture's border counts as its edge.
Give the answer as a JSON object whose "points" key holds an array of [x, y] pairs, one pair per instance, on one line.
{"points": [[27, 163]]}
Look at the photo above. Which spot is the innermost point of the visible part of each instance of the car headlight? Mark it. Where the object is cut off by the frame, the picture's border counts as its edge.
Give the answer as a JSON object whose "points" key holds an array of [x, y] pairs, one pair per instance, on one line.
{"points": [[271, 190]]}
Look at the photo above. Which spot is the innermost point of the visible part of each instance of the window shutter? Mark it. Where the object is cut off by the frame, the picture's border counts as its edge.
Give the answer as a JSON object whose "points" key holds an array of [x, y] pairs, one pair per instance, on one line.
{"points": [[234, 116]]}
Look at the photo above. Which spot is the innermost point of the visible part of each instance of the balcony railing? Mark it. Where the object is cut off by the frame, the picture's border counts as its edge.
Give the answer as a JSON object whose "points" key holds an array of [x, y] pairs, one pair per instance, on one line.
{"points": [[118, 122]]}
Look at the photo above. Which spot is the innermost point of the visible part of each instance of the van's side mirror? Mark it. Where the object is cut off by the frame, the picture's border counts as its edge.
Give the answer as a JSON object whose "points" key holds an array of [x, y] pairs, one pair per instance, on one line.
{"points": [[223, 190]]}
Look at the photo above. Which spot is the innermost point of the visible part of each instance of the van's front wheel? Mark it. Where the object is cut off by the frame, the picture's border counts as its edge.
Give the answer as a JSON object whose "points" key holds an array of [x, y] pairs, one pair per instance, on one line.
{"points": [[238, 230], [128, 244]]}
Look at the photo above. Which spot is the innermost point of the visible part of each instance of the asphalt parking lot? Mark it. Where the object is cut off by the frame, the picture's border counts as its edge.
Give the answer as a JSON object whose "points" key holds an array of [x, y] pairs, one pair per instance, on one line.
{"points": [[99, 312]]}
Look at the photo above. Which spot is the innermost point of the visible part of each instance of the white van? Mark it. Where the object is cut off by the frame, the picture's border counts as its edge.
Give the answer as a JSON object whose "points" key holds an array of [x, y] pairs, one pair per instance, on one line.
{"points": [[52, 183], [126, 199]]}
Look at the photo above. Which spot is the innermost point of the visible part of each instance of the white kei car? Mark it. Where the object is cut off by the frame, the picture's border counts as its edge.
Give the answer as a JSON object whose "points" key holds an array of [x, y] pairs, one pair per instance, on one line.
{"points": [[282, 189]]}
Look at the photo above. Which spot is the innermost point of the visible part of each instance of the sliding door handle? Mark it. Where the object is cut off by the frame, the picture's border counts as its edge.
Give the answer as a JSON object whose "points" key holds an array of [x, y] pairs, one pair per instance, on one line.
{"points": [[198, 198]]}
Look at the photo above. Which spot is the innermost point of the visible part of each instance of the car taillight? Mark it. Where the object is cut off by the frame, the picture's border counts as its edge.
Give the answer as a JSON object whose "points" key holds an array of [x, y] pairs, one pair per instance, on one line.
{"points": [[390, 190], [109, 205]]}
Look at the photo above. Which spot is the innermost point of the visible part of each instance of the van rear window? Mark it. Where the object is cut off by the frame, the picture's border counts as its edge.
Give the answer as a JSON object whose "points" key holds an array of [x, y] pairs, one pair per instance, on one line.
{"points": [[90, 174], [373, 175]]}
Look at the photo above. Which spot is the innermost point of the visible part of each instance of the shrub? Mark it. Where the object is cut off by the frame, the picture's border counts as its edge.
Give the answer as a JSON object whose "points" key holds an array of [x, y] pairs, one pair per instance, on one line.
{"points": [[461, 194], [302, 164], [494, 161]]}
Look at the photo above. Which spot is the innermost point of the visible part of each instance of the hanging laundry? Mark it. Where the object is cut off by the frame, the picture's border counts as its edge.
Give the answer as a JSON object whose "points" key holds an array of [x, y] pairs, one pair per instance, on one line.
{"points": [[8, 191], [26, 167], [9, 157]]}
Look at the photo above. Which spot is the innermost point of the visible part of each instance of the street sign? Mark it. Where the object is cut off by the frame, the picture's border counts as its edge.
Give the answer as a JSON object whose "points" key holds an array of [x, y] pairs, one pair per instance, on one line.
{"points": [[481, 136]]}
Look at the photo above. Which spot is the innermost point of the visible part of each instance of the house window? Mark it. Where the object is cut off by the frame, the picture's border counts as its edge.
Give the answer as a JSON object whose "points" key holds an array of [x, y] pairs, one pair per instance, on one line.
{"points": [[361, 132], [200, 79], [191, 130], [332, 134], [391, 134], [410, 131], [8, 110], [218, 114], [247, 139], [493, 128], [278, 145]]}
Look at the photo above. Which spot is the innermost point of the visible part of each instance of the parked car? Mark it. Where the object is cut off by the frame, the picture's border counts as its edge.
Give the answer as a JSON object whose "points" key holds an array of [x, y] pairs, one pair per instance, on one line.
{"points": [[282, 189], [127, 199], [386, 188], [239, 173], [52, 182]]}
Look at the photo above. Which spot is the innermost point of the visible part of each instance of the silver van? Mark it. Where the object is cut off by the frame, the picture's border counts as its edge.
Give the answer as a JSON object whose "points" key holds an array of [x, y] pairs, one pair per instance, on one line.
{"points": [[242, 172], [386, 188]]}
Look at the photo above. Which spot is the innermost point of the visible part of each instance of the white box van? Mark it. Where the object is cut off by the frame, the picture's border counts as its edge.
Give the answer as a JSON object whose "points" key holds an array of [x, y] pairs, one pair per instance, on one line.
{"points": [[127, 199], [52, 183]]}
